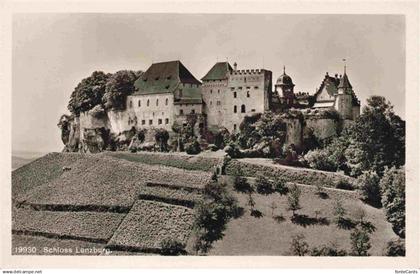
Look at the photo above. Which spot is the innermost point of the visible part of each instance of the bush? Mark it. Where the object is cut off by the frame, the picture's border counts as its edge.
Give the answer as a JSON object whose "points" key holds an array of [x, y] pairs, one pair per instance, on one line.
{"points": [[392, 187], [212, 147], [339, 212], [395, 248], [330, 251], [298, 246], [344, 184], [264, 186], [171, 247], [293, 198], [162, 137], [241, 184], [233, 151], [319, 159], [368, 185], [280, 186], [193, 148], [360, 242]]}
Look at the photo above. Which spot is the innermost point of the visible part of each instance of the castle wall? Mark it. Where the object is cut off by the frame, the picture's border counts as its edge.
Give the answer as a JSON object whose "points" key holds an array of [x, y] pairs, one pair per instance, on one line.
{"points": [[322, 127], [294, 132]]}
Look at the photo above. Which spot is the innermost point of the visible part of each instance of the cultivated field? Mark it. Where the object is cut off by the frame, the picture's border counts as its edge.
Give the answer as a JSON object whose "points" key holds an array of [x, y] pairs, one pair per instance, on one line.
{"points": [[119, 202]]}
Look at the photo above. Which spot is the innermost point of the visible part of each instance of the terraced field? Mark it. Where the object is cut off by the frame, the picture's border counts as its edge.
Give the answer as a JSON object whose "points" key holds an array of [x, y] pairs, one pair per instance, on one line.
{"points": [[69, 203], [88, 204]]}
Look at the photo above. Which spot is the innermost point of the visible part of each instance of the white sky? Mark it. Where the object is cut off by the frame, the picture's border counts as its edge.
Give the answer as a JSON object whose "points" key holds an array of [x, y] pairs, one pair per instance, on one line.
{"points": [[53, 52]]}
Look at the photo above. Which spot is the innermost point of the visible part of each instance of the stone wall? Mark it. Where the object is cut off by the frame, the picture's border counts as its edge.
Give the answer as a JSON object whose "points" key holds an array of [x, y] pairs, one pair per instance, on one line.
{"points": [[322, 127]]}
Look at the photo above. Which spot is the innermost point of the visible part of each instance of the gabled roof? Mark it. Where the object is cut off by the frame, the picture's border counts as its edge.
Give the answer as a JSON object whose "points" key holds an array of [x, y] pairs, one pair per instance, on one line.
{"points": [[169, 77], [219, 71], [331, 84], [164, 77]]}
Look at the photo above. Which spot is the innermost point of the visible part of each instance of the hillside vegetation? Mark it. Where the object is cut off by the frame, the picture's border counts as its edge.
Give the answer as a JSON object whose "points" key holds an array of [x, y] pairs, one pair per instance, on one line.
{"points": [[131, 207]]}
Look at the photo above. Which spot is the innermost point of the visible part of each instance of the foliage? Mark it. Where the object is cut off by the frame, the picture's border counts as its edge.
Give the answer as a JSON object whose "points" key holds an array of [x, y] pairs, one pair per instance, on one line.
{"points": [[193, 147], [263, 185], [88, 93], [221, 138], [339, 212], [310, 141], [118, 87], [360, 242], [395, 248], [280, 186], [172, 247], [344, 184], [233, 150], [97, 111], [319, 159], [212, 214], [368, 185], [241, 184], [298, 246], [377, 139], [293, 198], [392, 187], [162, 137], [330, 251]]}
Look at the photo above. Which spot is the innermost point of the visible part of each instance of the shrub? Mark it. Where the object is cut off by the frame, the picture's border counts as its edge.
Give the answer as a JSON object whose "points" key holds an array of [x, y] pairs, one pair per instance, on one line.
{"points": [[193, 147], [368, 185], [395, 248], [330, 251], [233, 151], [339, 212], [344, 184], [241, 184], [280, 186], [319, 159], [172, 247], [360, 242], [212, 147], [162, 137], [298, 246], [393, 198], [264, 186], [293, 198]]}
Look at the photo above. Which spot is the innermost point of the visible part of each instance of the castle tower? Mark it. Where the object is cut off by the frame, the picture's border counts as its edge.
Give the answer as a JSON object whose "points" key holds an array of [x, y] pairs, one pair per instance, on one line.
{"points": [[344, 98], [284, 88]]}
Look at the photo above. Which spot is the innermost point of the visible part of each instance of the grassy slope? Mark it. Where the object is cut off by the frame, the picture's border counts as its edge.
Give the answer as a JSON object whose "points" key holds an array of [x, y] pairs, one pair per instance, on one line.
{"points": [[249, 235]]}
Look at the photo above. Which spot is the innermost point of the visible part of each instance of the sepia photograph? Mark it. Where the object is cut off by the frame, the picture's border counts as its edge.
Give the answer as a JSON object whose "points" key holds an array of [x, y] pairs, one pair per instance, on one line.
{"points": [[197, 134]]}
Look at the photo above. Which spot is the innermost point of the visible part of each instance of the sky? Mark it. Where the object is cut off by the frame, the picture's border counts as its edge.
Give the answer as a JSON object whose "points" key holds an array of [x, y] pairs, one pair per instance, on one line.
{"points": [[51, 53]]}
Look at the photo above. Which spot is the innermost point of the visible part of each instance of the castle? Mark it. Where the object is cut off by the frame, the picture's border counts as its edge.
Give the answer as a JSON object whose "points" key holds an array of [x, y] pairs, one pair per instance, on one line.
{"points": [[167, 93]]}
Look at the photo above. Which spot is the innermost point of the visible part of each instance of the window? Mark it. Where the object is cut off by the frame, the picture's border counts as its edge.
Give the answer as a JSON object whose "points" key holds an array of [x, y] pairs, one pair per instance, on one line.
{"points": [[139, 103], [157, 102], [181, 112], [243, 108], [180, 93], [240, 87], [211, 103], [234, 127], [253, 110], [131, 104], [211, 91], [145, 79], [166, 121], [256, 87], [148, 102], [157, 78], [166, 101], [143, 122], [232, 88], [218, 91], [167, 87], [247, 93], [150, 122], [169, 77], [245, 79], [234, 94], [218, 103], [235, 109], [192, 111], [159, 121]]}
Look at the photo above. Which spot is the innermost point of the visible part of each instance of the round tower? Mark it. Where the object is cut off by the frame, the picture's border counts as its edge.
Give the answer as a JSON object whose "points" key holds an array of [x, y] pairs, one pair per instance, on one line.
{"points": [[285, 88]]}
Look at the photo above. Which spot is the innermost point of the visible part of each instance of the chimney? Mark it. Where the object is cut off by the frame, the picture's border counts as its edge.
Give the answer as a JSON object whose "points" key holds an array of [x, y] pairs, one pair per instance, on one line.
{"points": [[235, 66]]}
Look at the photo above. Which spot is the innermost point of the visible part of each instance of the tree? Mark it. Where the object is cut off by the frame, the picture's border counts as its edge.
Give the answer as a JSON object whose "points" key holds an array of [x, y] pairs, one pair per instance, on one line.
{"points": [[368, 185], [251, 202], [88, 93], [339, 212], [118, 87], [162, 137], [392, 187], [395, 248], [377, 138], [172, 247], [360, 242], [293, 198], [299, 246]]}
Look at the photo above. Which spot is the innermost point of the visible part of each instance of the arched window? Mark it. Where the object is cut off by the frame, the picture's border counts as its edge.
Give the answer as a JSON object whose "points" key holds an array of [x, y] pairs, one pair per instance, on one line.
{"points": [[131, 104], [235, 109], [148, 102], [139, 103], [243, 108], [247, 93], [234, 94], [166, 101], [157, 102]]}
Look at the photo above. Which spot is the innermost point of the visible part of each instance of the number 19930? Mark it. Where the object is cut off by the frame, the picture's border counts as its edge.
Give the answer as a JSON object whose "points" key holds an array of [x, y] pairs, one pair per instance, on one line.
{"points": [[25, 249]]}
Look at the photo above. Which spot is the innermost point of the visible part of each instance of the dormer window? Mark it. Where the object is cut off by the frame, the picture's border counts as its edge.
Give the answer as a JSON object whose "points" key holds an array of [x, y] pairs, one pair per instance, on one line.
{"points": [[169, 77], [167, 87]]}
